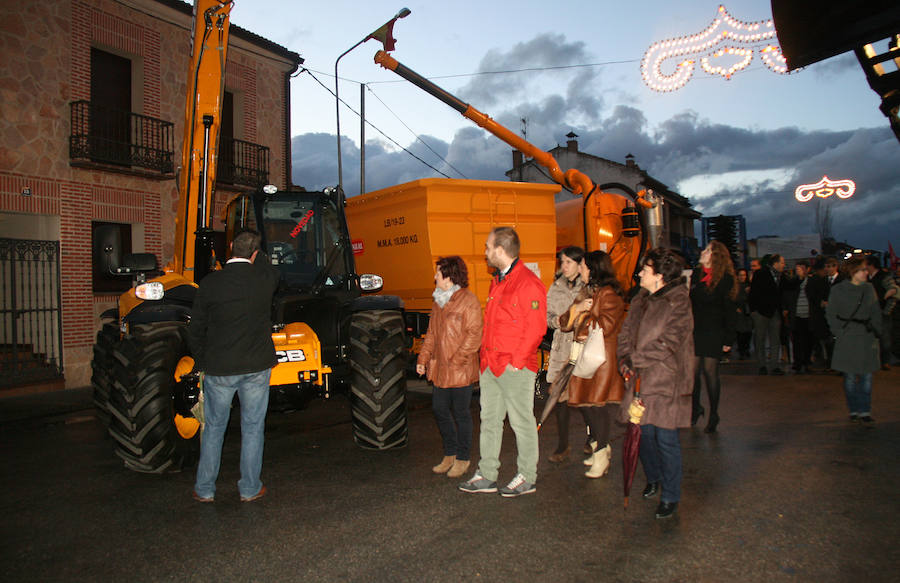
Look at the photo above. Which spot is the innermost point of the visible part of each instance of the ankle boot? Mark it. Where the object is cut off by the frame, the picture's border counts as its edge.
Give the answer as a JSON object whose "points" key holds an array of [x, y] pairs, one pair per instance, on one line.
{"points": [[459, 468], [589, 461], [560, 456], [445, 464], [601, 459], [713, 423], [696, 414]]}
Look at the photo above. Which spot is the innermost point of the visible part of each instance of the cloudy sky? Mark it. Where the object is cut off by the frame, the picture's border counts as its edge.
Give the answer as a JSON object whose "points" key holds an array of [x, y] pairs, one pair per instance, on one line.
{"points": [[737, 146]]}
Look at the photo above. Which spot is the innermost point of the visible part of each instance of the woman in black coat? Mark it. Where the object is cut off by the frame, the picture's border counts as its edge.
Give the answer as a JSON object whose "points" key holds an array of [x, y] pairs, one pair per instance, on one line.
{"points": [[713, 293]]}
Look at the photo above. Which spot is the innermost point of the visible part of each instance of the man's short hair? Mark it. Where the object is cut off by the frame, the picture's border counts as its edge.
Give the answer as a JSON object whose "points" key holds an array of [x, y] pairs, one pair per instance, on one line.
{"points": [[802, 262], [831, 260], [508, 239], [873, 261], [245, 244], [774, 258]]}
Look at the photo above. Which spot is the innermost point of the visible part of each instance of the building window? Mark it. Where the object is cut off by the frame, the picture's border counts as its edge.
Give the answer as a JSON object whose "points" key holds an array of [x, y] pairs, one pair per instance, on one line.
{"points": [[110, 243], [110, 106]]}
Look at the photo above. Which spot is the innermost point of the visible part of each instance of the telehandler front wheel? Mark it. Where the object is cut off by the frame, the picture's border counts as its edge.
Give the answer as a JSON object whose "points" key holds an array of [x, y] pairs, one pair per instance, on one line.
{"points": [[141, 402], [378, 383]]}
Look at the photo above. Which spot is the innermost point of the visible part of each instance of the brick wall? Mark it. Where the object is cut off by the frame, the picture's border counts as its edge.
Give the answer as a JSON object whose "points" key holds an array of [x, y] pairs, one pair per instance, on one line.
{"points": [[52, 42]]}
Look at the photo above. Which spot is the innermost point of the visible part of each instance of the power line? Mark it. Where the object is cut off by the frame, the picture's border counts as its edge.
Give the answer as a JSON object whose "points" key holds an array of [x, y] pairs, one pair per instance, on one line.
{"points": [[444, 160], [392, 140]]}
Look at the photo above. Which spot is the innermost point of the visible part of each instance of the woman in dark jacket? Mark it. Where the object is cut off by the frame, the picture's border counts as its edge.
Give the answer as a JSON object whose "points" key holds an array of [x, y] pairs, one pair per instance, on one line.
{"points": [[597, 397], [656, 344], [449, 355], [713, 292], [854, 317]]}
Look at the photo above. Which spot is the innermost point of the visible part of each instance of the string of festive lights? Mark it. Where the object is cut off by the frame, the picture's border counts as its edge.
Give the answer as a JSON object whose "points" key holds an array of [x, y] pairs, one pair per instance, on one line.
{"points": [[715, 42], [825, 188]]}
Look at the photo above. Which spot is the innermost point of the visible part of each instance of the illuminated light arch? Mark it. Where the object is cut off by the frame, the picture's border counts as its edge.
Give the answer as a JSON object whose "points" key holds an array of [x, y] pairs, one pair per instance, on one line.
{"points": [[825, 188], [715, 42]]}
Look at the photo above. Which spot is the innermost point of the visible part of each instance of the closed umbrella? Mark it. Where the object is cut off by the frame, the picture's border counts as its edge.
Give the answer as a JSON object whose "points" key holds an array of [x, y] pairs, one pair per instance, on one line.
{"points": [[632, 442], [556, 389]]}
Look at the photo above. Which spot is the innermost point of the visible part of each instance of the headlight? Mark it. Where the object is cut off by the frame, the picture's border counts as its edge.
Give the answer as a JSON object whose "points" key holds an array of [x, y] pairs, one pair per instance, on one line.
{"points": [[152, 290], [370, 282]]}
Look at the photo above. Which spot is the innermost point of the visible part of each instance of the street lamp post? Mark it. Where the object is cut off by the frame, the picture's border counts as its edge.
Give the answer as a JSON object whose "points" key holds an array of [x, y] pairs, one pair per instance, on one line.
{"points": [[404, 12]]}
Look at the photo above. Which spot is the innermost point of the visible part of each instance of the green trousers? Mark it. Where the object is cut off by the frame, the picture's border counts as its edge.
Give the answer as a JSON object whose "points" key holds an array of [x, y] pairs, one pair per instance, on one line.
{"points": [[511, 394]]}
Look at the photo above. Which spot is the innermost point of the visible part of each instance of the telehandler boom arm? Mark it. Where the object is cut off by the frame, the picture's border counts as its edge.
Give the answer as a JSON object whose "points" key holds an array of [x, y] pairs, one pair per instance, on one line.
{"points": [[573, 179], [199, 152]]}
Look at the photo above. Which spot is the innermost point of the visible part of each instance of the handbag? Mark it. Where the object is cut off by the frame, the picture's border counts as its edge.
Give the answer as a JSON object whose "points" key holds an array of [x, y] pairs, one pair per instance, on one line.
{"points": [[592, 356]]}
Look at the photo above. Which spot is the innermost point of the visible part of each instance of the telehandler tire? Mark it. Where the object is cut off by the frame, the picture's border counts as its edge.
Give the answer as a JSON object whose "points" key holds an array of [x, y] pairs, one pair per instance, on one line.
{"points": [[141, 407], [378, 382], [101, 366]]}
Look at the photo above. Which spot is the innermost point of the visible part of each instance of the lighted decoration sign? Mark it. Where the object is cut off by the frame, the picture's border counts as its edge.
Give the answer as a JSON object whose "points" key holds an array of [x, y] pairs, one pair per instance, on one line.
{"points": [[724, 48], [825, 188]]}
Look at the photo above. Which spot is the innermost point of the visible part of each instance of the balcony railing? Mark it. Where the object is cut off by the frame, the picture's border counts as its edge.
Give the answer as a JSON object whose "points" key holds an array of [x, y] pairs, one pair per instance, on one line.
{"points": [[242, 163], [120, 138]]}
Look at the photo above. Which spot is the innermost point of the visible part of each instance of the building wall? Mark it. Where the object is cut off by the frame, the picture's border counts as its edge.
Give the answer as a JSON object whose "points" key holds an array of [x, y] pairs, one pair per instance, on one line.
{"points": [[45, 48]]}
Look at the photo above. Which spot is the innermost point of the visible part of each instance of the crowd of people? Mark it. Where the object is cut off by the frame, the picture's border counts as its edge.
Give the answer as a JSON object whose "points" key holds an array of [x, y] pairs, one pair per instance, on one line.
{"points": [[660, 352], [678, 327]]}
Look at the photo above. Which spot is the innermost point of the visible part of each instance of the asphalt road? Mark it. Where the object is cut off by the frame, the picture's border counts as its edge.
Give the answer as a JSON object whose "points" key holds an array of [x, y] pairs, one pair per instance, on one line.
{"points": [[788, 490]]}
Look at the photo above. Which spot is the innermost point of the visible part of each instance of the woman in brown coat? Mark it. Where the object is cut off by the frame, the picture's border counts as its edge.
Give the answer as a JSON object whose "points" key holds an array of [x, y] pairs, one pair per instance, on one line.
{"points": [[599, 396], [657, 345], [449, 355]]}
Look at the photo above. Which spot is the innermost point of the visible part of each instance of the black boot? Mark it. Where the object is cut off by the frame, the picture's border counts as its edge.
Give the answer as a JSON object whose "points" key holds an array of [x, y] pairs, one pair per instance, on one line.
{"points": [[666, 509], [650, 490], [712, 424]]}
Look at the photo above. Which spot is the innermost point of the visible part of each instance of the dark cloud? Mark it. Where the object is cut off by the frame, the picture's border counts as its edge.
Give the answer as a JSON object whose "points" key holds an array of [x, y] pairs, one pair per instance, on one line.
{"points": [[684, 146], [546, 50]]}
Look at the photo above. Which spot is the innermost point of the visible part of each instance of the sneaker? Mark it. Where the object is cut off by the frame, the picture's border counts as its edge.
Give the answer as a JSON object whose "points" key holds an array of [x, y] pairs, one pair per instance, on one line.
{"points": [[866, 419], [854, 417], [517, 487], [478, 484]]}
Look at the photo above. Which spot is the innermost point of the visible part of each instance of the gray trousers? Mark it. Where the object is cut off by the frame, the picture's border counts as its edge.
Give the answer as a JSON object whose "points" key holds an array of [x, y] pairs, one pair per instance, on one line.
{"points": [[767, 329]]}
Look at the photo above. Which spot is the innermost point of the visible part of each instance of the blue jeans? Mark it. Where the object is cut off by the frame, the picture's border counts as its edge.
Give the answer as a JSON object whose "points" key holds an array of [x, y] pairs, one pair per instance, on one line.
{"points": [[660, 453], [858, 388], [454, 419], [218, 392]]}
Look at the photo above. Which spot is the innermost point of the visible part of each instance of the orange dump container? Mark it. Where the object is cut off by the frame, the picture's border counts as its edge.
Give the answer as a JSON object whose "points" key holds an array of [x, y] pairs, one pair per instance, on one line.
{"points": [[399, 232]]}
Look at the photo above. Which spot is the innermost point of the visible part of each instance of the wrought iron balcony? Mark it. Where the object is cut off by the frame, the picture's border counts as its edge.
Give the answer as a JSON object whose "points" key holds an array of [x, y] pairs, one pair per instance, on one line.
{"points": [[102, 135], [242, 163]]}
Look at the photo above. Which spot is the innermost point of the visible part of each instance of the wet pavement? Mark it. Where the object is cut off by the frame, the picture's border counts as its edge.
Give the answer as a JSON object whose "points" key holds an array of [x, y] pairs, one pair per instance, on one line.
{"points": [[787, 490]]}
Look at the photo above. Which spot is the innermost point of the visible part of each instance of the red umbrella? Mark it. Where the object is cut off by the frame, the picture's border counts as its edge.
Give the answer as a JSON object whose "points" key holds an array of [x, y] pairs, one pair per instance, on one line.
{"points": [[632, 442]]}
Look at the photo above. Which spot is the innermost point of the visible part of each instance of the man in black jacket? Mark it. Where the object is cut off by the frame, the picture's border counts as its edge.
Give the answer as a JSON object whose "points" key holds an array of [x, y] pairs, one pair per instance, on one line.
{"points": [[230, 336], [765, 310]]}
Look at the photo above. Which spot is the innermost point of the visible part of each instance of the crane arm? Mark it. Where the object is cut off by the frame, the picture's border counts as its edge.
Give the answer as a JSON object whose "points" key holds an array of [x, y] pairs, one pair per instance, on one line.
{"points": [[575, 180], [203, 116]]}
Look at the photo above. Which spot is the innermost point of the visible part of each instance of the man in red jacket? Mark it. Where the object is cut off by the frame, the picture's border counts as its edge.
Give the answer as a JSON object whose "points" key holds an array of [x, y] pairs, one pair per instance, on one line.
{"points": [[515, 321]]}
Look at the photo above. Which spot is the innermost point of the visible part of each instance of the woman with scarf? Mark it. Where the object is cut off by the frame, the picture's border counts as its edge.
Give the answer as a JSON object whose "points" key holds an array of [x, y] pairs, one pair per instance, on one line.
{"points": [[560, 296], [602, 301], [714, 289], [449, 356]]}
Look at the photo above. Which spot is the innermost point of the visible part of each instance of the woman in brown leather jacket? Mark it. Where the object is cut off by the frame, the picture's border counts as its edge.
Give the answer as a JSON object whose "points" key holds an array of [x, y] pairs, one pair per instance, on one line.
{"points": [[599, 396], [449, 355]]}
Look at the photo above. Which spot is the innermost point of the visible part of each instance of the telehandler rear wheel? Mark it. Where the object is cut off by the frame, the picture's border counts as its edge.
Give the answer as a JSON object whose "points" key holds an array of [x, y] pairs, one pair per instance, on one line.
{"points": [[378, 383], [101, 365], [141, 406]]}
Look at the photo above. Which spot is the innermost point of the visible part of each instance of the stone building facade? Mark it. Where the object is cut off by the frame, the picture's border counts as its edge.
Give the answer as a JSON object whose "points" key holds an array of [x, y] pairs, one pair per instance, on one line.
{"points": [[678, 217], [52, 54]]}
